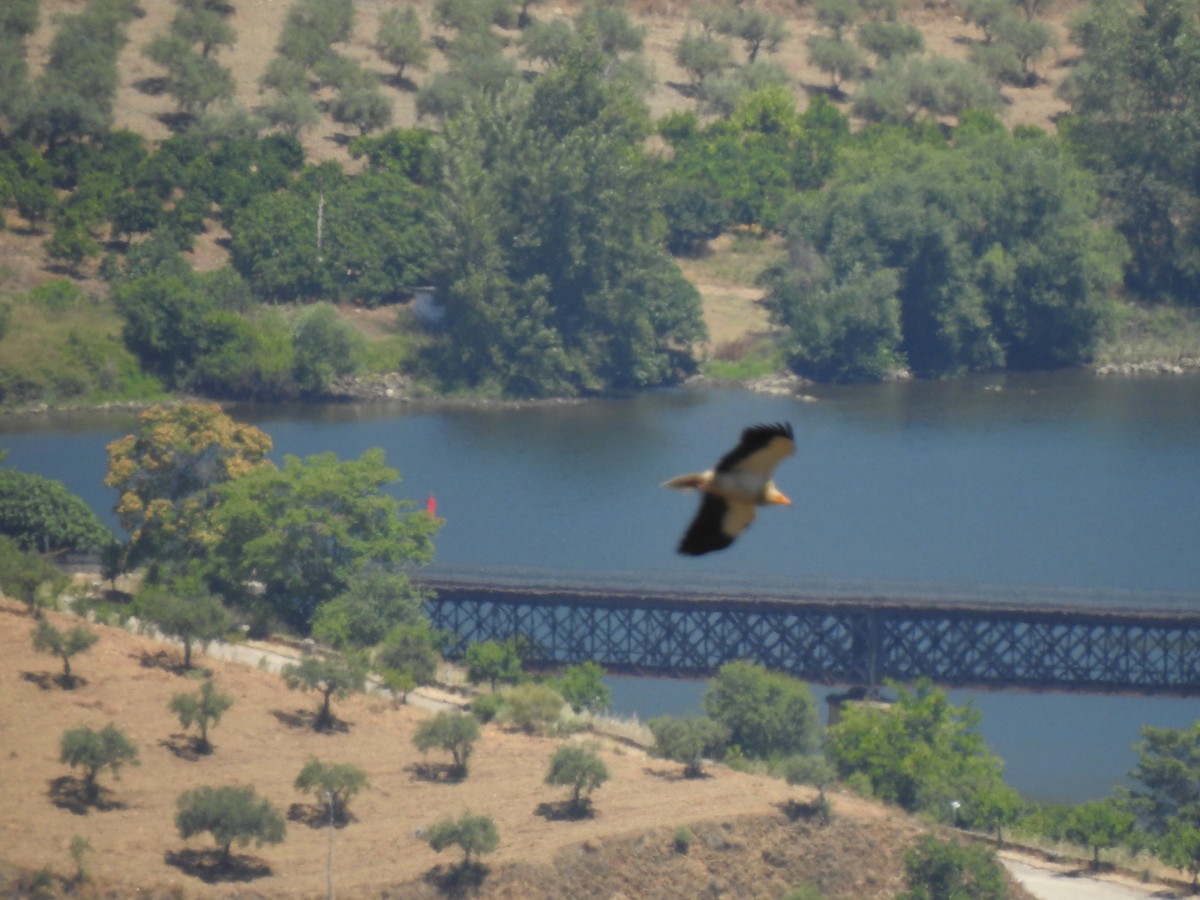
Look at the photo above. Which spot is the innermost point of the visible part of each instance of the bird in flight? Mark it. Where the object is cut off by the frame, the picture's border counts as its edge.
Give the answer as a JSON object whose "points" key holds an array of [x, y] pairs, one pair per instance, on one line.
{"points": [[740, 482]]}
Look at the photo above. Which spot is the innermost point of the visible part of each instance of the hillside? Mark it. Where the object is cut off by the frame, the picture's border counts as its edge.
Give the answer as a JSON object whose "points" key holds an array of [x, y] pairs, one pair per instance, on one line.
{"points": [[744, 841], [730, 308]]}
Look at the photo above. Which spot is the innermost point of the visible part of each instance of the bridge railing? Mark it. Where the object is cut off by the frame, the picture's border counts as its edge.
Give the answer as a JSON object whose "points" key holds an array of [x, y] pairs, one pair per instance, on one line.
{"points": [[858, 641]]}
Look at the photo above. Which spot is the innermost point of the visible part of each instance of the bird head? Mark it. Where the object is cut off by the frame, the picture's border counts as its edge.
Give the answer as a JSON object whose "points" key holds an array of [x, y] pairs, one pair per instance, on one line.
{"points": [[774, 495]]}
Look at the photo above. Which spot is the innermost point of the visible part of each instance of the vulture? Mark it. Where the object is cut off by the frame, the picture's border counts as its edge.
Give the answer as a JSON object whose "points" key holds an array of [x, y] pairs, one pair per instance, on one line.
{"points": [[740, 482]]}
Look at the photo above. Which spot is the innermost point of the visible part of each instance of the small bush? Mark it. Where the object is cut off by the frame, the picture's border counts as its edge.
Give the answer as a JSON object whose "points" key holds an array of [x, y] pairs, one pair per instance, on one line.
{"points": [[683, 839], [533, 708], [486, 707]]}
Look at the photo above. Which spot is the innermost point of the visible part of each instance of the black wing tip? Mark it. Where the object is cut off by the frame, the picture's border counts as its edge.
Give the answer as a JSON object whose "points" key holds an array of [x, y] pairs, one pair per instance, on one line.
{"points": [[770, 430], [695, 545]]}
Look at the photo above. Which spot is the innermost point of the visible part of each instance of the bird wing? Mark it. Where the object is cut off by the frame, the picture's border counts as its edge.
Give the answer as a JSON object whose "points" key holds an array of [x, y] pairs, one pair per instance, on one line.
{"points": [[716, 525], [760, 449]]}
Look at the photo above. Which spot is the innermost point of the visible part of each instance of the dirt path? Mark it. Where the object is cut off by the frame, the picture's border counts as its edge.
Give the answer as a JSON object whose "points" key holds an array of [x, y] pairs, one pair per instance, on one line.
{"points": [[1048, 881]]}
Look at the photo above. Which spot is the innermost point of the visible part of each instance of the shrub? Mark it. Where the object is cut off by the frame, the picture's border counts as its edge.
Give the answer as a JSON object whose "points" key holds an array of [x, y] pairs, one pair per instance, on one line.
{"points": [[533, 708], [230, 814]]}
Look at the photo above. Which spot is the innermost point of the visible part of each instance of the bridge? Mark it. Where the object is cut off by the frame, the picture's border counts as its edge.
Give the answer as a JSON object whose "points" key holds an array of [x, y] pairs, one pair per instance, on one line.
{"points": [[834, 640]]}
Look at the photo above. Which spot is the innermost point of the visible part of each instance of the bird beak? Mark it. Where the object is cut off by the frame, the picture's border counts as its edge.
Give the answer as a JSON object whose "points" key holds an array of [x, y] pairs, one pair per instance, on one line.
{"points": [[779, 498]]}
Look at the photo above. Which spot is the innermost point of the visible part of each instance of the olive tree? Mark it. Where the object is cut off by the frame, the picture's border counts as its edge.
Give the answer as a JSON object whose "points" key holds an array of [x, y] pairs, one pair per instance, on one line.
{"points": [[332, 783], [454, 732], [63, 644], [476, 835], [95, 751], [580, 769], [230, 814], [201, 709], [330, 676], [687, 740]]}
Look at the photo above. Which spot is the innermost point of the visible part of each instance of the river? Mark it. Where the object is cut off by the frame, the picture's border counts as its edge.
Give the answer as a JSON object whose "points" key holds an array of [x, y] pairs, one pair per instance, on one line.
{"points": [[1024, 486]]}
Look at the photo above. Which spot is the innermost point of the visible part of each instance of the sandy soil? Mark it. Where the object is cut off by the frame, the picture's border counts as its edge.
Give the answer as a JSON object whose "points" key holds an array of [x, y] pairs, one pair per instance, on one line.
{"points": [[730, 309], [265, 739]]}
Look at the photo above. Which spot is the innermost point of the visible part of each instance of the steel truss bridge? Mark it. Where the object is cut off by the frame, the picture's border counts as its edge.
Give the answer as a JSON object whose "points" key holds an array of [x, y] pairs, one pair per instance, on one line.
{"points": [[855, 641]]}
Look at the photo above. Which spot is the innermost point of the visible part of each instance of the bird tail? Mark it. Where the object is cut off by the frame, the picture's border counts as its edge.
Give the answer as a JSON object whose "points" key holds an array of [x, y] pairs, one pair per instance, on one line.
{"points": [[694, 481]]}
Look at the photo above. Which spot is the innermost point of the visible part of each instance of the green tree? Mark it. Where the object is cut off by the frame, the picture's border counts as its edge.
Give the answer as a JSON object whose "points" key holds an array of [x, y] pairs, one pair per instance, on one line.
{"points": [[229, 814], [937, 869], [399, 41], [580, 769], [909, 89], [330, 676], [886, 39], [63, 644], [18, 20], [758, 29], [496, 662], [40, 514], [920, 752], [474, 835], [95, 751], [373, 244], [702, 56], [1179, 846], [167, 473], [74, 94], [375, 601], [1135, 120], [332, 783], [586, 299], [687, 740], [583, 687], [767, 713], [1101, 825], [188, 51], [454, 732], [410, 649], [201, 709], [32, 579], [182, 608], [995, 809], [1029, 291], [304, 531], [1167, 778], [325, 347]]}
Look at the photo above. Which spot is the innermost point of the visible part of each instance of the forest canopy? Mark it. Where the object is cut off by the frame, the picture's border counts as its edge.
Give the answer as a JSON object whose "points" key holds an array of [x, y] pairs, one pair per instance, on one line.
{"points": [[538, 202]]}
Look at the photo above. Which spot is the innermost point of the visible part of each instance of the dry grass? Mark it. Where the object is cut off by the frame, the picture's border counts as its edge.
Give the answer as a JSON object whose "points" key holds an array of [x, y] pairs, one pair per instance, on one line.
{"points": [[745, 837]]}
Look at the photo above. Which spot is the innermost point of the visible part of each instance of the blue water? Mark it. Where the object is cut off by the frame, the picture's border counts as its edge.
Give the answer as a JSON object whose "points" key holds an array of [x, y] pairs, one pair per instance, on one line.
{"points": [[1009, 486]]}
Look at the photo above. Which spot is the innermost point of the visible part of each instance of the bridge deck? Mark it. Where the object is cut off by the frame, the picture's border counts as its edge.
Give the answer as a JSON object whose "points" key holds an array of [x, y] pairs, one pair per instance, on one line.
{"points": [[844, 639]]}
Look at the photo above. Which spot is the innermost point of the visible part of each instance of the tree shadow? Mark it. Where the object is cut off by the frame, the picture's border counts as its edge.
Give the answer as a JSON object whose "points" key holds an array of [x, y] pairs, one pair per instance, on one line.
{"points": [[835, 94], [152, 87], [187, 747], [48, 680], [304, 718], [676, 774], [213, 868], [70, 793], [436, 772], [688, 90], [162, 659], [566, 811], [816, 810], [400, 82], [316, 815], [459, 879]]}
